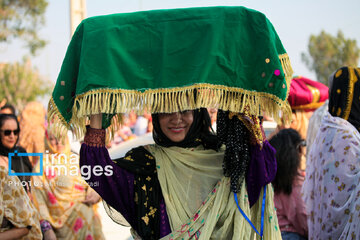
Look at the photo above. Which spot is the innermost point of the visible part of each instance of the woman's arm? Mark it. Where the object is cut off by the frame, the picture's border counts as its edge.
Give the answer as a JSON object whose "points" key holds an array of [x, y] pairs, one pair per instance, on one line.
{"points": [[19, 210], [114, 184], [14, 233], [96, 121]]}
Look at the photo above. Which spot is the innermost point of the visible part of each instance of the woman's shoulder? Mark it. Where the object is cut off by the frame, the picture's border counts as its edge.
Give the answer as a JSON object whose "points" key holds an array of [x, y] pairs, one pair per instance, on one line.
{"points": [[24, 159], [20, 149], [140, 153]]}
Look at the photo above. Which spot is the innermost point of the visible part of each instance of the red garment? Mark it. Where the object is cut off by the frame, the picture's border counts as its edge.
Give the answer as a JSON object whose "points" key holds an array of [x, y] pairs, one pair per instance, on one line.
{"points": [[290, 209]]}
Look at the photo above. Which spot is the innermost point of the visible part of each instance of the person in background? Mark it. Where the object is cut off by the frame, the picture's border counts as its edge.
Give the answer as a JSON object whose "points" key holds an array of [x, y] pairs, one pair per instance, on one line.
{"points": [[331, 189], [9, 134], [7, 109], [287, 184], [32, 135], [132, 120], [305, 96], [124, 133], [61, 187], [19, 218], [143, 125]]}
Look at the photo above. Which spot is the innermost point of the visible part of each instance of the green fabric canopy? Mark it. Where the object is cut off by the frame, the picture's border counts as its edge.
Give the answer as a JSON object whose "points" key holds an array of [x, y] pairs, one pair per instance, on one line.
{"points": [[231, 57]]}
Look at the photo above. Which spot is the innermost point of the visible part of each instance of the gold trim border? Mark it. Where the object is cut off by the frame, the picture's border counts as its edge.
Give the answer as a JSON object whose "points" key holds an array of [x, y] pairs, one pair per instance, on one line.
{"points": [[120, 101], [352, 80]]}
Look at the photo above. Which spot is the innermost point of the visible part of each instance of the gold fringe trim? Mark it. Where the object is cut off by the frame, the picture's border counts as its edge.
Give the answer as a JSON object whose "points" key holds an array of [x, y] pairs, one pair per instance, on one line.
{"points": [[352, 80], [168, 100], [288, 71], [60, 127]]}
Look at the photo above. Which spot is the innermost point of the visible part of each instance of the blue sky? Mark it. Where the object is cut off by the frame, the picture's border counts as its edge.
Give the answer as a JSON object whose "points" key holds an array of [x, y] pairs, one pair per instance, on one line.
{"points": [[294, 22]]}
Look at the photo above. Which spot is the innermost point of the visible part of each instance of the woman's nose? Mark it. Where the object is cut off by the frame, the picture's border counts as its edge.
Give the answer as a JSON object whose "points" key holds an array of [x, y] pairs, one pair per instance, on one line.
{"points": [[12, 134], [175, 117]]}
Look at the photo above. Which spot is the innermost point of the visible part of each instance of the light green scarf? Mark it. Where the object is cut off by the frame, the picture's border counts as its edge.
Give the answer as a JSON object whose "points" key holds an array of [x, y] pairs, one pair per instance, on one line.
{"points": [[198, 199]]}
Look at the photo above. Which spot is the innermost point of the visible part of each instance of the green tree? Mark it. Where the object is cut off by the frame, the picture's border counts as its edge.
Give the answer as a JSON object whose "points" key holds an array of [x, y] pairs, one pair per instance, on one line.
{"points": [[20, 83], [22, 19], [327, 53]]}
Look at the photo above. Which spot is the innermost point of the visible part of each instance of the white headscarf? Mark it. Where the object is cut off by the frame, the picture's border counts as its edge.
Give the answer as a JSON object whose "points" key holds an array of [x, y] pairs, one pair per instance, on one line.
{"points": [[314, 124], [332, 184]]}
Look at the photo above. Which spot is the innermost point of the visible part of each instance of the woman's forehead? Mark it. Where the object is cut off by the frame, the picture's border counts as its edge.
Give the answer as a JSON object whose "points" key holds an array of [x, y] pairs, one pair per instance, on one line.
{"points": [[9, 122]]}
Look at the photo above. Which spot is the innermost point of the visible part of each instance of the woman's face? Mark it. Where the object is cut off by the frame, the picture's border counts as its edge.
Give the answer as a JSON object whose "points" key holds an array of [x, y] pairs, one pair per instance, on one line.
{"points": [[176, 125], [9, 133], [58, 145]]}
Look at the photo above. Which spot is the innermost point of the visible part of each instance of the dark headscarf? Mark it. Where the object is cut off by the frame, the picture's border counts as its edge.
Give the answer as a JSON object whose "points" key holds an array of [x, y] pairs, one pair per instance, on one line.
{"points": [[4, 151], [199, 132], [344, 99], [18, 164]]}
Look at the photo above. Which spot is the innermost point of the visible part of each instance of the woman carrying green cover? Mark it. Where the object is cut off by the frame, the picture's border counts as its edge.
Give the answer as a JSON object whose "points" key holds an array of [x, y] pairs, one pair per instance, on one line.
{"points": [[190, 184]]}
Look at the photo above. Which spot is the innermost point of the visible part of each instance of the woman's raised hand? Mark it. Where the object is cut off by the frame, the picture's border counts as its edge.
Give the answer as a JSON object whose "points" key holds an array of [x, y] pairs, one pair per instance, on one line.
{"points": [[50, 235], [92, 197]]}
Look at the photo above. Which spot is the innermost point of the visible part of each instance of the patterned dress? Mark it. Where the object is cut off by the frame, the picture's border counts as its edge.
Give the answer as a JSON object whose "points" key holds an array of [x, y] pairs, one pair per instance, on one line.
{"points": [[332, 185], [58, 194], [16, 207]]}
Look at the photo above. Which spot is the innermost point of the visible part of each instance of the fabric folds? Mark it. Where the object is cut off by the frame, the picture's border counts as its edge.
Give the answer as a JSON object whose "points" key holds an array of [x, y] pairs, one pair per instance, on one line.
{"points": [[156, 60]]}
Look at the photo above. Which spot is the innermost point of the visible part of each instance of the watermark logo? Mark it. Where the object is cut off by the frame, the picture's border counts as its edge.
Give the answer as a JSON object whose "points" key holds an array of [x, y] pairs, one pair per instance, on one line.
{"points": [[15, 154], [61, 164]]}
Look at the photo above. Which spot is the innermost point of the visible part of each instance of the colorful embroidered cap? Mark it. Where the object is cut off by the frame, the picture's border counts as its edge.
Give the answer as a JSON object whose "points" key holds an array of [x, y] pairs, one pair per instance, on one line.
{"points": [[306, 94]]}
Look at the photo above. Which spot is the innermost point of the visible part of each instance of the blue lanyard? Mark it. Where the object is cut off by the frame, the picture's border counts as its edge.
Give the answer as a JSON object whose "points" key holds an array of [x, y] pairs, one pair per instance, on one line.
{"points": [[262, 214]]}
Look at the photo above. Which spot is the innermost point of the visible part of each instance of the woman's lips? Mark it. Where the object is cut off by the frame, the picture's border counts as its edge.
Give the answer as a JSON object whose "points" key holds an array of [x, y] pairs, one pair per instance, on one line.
{"points": [[177, 129], [11, 142]]}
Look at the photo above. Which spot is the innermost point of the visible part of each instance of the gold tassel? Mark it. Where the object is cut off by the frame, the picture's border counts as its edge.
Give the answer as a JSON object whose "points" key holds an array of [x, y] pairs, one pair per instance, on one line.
{"points": [[170, 100]]}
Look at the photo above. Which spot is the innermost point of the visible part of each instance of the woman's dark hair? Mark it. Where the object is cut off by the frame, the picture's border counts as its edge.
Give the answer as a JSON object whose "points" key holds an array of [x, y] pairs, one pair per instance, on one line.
{"points": [[207, 135], [4, 117], [8, 106], [287, 143]]}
